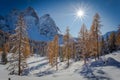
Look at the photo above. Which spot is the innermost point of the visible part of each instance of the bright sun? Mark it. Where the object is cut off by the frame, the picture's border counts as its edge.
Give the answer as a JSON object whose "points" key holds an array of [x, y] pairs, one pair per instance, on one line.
{"points": [[80, 13]]}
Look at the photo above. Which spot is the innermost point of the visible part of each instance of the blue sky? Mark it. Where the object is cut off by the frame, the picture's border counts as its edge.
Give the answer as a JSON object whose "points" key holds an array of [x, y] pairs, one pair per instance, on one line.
{"points": [[62, 11]]}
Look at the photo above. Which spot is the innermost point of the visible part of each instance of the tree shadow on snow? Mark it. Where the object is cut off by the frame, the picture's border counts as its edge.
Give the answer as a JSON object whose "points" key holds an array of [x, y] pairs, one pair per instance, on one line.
{"points": [[88, 72], [37, 61], [91, 73], [26, 71], [109, 62], [38, 66], [44, 73]]}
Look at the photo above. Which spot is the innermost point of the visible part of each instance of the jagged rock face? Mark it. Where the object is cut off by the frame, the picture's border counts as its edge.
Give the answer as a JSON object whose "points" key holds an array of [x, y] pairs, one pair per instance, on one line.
{"points": [[31, 12], [43, 28], [11, 18], [3, 25], [48, 26]]}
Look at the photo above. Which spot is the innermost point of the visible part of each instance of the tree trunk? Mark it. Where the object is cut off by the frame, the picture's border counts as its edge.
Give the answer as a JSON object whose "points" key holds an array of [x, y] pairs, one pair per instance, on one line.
{"points": [[19, 62], [56, 64]]}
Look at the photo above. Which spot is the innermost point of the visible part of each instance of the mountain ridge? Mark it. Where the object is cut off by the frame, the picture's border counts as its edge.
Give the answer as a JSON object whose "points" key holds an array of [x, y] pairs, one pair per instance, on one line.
{"points": [[39, 27]]}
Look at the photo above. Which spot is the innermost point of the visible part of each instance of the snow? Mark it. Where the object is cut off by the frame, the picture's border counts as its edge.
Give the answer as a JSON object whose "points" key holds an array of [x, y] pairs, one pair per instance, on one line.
{"points": [[39, 69]]}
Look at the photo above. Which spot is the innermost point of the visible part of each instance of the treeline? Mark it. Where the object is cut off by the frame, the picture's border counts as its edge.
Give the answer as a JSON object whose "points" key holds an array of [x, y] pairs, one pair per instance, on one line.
{"points": [[90, 43]]}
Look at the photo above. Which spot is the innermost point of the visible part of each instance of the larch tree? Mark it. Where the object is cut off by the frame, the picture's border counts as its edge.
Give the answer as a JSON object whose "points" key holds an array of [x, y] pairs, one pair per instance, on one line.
{"points": [[87, 44], [27, 50], [102, 46], [56, 48], [4, 52], [4, 55], [67, 48], [83, 36], [118, 39], [53, 51], [50, 50], [111, 42], [73, 49], [18, 43], [95, 35]]}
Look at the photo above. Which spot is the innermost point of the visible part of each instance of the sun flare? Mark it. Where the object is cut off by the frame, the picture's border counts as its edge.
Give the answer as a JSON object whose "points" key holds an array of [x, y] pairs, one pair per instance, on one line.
{"points": [[80, 13]]}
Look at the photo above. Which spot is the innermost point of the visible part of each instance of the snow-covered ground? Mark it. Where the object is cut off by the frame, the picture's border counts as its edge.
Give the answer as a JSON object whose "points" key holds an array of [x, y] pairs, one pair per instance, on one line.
{"points": [[39, 69]]}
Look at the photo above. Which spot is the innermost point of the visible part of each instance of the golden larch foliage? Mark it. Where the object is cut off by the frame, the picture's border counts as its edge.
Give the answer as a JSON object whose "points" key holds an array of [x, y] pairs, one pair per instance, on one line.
{"points": [[27, 50]]}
